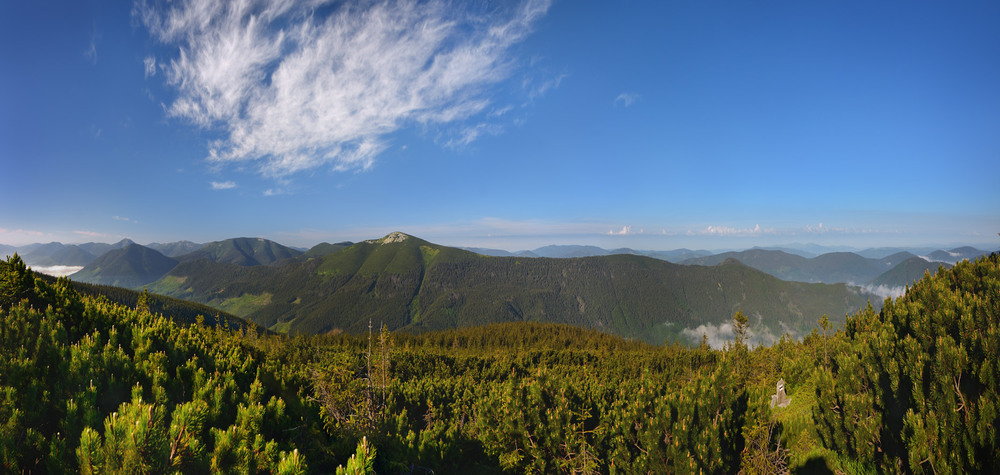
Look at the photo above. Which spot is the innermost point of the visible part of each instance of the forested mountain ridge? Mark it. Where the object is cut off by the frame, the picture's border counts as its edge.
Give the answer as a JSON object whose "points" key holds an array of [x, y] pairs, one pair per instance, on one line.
{"points": [[242, 251], [132, 267], [829, 268], [846, 267], [407, 283], [175, 249], [89, 386]]}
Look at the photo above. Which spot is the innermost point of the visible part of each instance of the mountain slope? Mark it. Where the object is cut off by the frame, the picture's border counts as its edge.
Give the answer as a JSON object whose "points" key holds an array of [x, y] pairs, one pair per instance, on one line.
{"points": [[242, 251], [325, 248], [132, 266], [955, 255], [99, 248], [408, 283], [908, 272]]}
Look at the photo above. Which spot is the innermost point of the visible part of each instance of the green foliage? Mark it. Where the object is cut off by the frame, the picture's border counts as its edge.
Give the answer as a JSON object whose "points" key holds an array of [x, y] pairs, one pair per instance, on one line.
{"points": [[916, 388], [362, 462], [91, 385]]}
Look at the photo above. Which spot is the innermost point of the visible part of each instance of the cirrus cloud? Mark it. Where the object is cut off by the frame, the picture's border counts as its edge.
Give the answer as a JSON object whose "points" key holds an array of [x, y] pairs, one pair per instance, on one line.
{"points": [[293, 90], [626, 99], [223, 185]]}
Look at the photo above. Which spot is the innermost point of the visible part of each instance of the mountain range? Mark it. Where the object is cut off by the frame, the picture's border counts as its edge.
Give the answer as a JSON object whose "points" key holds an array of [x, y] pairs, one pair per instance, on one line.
{"points": [[59, 254], [407, 283], [242, 252]]}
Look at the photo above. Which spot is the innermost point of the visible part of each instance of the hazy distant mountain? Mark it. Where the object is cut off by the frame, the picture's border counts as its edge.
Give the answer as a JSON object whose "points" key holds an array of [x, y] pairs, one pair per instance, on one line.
{"points": [[954, 255], [831, 267], [242, 252], [489, 252], [793, 251], [99, 248], [894, 260], [559, 251], [175, 249], [132, 266], [6, 250], [846, 267], [564, 251], [57, 253], [880, 252], [907, 272], [808, 249], [405, 282]]}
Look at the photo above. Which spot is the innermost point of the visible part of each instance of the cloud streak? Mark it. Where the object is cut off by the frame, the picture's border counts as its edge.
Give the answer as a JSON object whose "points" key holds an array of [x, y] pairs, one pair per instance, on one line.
{"points": [[626, 99], [731, 231], [292, 91], [223, 185]]}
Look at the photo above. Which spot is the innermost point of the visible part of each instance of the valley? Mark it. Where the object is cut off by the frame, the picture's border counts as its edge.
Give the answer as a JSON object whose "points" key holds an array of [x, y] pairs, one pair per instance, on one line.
{"points": [[416, 286]]}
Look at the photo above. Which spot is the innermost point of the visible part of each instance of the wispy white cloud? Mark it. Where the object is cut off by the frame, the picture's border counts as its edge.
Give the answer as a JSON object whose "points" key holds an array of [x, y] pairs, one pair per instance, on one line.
{"points": [[23, 236], [818, 229], [884, 291], [626, 99], [58, 271], [293, 91], [717, 336], [732, 231], [120, 218], [471, 133], [223, 185], [540, 89], [150, 65], [91, 234], [624, 231], [91, 52]]}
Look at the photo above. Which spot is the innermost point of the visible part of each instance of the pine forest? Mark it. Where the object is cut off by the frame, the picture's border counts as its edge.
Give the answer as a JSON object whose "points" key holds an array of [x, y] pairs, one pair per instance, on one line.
{"points": [[90, 383]]}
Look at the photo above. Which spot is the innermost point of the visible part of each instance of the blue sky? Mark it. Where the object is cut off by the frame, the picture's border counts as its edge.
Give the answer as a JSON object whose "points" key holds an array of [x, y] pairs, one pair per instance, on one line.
{"points": [[652, 125]]}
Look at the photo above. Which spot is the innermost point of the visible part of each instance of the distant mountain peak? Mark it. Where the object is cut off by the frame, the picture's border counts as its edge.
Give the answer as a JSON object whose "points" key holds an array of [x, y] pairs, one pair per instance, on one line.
{"points": [[392, 237]]}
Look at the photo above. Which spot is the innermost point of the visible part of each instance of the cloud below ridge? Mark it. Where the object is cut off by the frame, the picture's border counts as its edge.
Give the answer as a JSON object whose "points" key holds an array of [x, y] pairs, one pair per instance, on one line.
{"points": [[292, 91]]}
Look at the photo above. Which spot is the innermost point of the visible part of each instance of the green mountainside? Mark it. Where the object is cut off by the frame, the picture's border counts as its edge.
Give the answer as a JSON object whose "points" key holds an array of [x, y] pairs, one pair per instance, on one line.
{"points": [[132, 266], [407, 283], [242, 251], [325, 248]]}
